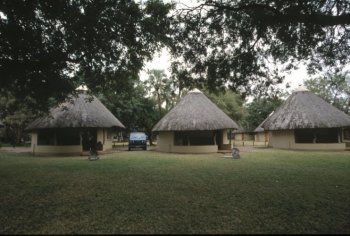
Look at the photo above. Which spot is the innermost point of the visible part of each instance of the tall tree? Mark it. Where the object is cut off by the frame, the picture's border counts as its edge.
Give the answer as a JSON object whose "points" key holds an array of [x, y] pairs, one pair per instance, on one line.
{"points": [[230, 103], [333, 88], [132, 107], [165, 90], [157, 84], [15, 120], [244, 44], [44, 44]]}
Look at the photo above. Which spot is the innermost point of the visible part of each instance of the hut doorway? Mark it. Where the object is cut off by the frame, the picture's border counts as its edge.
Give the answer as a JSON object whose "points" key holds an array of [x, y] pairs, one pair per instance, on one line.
{"points": [[219, 139], [89, 138]]}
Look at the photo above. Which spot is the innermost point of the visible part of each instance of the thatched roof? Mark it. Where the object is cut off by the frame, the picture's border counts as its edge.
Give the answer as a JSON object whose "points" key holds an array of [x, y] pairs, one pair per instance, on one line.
{"points": [[77, 114], [303, 109], [242, 131], [260, 128], [195, 112]]}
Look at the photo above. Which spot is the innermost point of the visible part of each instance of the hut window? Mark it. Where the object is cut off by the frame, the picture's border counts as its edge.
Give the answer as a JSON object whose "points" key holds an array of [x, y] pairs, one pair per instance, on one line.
{"points": [[68, 137], [316, 135], [46, 137], [181, 139], [194, 138], [346, 134]]}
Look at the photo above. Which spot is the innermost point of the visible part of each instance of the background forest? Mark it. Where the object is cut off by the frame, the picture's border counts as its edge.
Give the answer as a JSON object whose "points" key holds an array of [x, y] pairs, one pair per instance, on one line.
{"points": [[237, 52]]}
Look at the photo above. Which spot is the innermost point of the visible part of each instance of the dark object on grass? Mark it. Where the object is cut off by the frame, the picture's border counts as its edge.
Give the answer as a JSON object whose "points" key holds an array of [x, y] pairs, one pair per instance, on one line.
{"points": [[93, 155], [235, 153]]}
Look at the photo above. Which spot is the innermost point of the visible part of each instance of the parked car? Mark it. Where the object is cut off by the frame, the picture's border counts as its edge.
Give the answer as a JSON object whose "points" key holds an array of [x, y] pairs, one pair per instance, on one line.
{"points": [[137, 140]]}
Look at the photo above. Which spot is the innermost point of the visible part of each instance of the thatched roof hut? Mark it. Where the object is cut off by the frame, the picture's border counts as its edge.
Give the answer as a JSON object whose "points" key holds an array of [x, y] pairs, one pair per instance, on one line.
{"points": [[195, 112], [81, 124], [304, 109], [242, 134], [261, 135], [81, 112], [194, 125], [306, 121]]}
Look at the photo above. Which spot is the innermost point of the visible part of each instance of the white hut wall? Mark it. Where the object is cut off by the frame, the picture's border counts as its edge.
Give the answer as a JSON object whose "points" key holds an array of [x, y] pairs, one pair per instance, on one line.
{"points": [[261, 137], [165, 141], [225, 145], [238, 136], [286, 139], [105, 137], [244, 136], [225, 138], [180, 143]]}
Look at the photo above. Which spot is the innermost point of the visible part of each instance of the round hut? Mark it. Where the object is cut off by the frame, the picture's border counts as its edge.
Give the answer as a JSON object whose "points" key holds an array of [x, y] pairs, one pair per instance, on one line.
{"points": [[306, 121], [261, 135], [194, 125], [74, 127]]}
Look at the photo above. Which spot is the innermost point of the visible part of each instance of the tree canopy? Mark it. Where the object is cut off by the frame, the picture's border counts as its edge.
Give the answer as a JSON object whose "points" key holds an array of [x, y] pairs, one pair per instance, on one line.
{"points": [[245, 45], [132, 107], [230, 103], [45, 53], [333, 88], [48, 48], [259, 109]]}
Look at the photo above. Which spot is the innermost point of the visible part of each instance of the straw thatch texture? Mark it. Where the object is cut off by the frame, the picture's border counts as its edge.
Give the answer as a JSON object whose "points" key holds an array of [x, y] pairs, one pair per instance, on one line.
{"points": [[77, 114], [303, 109], [195, 112], [260, 128]]}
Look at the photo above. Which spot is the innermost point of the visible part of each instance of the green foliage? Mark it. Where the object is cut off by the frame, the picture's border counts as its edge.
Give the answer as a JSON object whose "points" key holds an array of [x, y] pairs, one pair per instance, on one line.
{"points": [[132, 108], [46, 52], [164, 90], [246, 45], [230, 103], [265, 192], [333, 88], [15, 116], [259, 109]]}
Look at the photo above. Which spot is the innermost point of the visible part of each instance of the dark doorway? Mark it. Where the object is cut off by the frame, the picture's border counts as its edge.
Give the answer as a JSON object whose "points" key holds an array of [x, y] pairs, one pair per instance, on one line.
{"points": [[89, 139], [219, 140]]}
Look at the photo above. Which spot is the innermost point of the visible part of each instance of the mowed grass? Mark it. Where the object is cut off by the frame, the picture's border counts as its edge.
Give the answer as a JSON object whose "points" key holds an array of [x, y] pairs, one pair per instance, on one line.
{"points": [[270, 191]]}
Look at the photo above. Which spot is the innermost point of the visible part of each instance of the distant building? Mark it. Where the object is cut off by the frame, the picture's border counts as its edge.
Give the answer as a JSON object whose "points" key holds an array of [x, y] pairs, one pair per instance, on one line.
{"points": [[74, 127], [305, 121], [260, 134], [194, 125]]}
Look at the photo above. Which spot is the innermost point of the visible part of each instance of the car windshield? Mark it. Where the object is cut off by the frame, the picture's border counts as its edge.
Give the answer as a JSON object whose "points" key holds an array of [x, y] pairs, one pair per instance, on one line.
{"points": [[137, 136]]}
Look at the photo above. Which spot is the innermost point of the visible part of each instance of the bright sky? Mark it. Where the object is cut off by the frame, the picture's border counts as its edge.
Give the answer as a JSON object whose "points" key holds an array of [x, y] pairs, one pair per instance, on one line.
{"points": [[161, 61]]}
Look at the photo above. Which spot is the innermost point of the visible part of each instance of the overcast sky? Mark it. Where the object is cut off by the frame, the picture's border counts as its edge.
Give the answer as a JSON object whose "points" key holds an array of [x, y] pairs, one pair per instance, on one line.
{"points": [[162, 62]]}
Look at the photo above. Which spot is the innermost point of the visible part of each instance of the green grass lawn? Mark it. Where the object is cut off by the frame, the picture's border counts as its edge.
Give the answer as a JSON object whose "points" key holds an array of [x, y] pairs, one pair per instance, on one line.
{"points": [[270, 191]]}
